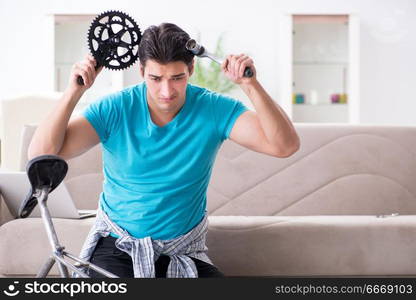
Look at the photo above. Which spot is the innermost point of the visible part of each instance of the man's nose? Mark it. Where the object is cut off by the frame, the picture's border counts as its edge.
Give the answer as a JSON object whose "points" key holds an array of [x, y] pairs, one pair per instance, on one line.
{"points": [[166, 89]]}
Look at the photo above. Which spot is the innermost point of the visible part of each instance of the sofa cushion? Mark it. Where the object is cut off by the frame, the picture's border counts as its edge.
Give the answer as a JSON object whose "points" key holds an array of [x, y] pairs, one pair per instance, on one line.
{"points": [[252, 246], [313, 245]]}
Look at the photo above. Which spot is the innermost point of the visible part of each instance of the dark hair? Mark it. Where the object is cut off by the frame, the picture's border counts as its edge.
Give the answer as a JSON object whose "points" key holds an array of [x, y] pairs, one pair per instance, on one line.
{"points": [[164, 43]]}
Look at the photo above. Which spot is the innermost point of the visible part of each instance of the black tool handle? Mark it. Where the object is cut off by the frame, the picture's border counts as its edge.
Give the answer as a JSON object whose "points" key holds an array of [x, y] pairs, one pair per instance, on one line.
{"points": [[81, 81], [248, 72]]}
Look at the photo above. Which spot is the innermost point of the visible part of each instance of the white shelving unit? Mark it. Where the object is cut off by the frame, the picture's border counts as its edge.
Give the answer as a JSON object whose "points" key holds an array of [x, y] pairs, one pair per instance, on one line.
{"points": [[321, 113], [319, 57]]}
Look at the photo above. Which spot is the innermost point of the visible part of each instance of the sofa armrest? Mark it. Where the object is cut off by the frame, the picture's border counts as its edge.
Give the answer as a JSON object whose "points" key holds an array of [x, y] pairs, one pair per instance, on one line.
{"points": [[5, 215], [22, 236]]}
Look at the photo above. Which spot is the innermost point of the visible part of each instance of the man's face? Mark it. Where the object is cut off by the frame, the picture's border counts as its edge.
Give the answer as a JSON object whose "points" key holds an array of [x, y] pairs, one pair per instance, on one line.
{"points": [[166, 85]]}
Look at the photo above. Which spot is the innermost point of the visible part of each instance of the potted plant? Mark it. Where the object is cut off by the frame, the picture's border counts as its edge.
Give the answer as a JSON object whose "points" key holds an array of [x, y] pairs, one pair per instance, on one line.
{"points": [[207, 73]]}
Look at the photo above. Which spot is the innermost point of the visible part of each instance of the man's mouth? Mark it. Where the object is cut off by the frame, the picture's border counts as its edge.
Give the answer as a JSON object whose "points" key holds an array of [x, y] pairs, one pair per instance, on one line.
{"points": [[167, 99]]}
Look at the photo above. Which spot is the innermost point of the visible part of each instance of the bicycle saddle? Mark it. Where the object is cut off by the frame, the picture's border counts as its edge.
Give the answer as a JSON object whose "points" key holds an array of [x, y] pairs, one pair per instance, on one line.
{"points": [[44, 170]]}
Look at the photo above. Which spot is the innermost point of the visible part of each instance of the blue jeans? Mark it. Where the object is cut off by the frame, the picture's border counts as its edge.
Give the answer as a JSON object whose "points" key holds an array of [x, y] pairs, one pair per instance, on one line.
{"points": [[107, 256]]}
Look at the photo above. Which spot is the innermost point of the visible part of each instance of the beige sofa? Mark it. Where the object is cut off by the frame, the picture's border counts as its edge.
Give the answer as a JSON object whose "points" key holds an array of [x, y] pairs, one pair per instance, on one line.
{"points": [[325, 211]]}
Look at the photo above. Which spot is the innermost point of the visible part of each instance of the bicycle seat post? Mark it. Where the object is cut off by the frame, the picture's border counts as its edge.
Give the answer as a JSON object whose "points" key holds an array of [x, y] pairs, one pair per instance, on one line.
{"points": [[42, 197]]}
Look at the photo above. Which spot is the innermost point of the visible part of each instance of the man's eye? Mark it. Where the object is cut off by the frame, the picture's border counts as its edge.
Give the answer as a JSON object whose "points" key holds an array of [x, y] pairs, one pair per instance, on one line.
{"points": [[155, 79], [177, 78]]}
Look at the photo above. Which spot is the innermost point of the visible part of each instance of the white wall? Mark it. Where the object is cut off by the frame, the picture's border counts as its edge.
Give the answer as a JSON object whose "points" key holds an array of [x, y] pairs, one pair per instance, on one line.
{"points": [[388, 46]]}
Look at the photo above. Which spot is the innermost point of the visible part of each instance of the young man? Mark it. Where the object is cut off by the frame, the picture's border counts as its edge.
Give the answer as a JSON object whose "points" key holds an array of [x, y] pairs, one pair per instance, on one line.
{"points": [[159, 141]]}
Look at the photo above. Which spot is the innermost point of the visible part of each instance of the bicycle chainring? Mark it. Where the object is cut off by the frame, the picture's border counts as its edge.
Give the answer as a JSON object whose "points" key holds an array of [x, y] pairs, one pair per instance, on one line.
{"points": [[113, 39]]}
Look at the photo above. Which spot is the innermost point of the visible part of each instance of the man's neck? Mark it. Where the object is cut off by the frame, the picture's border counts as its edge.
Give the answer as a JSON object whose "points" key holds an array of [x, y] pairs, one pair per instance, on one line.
{"points": [[161, 118]]}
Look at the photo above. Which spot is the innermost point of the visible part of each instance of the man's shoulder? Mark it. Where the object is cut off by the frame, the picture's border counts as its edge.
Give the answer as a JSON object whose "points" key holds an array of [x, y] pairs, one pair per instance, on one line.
{"points": [[208, 96], [203, 94], [134, 88], [119, 97], [133, 91]]}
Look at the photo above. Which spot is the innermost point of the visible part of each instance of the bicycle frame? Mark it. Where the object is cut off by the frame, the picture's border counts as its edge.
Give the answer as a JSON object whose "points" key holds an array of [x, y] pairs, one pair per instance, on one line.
{"points": [[58, 253]]}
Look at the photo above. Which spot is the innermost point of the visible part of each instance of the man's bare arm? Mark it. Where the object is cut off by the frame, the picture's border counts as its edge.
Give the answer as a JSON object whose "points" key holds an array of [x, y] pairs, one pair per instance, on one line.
{"points": [[268, 130]]}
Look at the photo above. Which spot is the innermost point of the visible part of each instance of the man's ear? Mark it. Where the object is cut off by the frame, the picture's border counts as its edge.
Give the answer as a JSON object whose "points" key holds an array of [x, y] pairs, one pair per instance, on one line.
{"points": [[191, 67], [142, 70]]}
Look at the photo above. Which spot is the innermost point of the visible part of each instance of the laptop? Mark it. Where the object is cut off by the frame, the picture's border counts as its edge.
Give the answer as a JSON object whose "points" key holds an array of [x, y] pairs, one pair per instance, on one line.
{"points": [[14, 187]]}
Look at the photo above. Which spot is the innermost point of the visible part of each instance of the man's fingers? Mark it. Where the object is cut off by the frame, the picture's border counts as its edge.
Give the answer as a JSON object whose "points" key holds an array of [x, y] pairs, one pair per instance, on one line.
{"points": [[231, 67], [83, 75], [77, 71], [224, 64], [91, 64], [91, 59], [88, 72], [238, 60], [228, 64], [89, 67], [98, 71], [235, 65], [84, 70], [246, 62]]}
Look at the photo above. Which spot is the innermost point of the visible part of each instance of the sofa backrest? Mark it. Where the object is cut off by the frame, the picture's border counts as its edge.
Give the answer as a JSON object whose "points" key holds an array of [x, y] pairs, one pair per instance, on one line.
{"points": [[339, 170], [14, 113]]}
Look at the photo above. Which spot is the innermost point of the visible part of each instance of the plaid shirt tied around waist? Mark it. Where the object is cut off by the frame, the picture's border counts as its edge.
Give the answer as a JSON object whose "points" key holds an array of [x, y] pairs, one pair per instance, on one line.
{"points": [[145, 251]]}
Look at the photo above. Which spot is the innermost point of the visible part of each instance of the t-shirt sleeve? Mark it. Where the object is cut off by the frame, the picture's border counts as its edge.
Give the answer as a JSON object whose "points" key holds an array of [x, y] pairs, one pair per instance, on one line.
{"points": [[104, 115], [226, 112]]}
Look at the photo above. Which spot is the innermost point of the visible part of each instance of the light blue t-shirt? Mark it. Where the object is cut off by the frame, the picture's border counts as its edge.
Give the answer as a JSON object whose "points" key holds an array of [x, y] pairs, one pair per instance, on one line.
{"points": [[156, 178]]}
